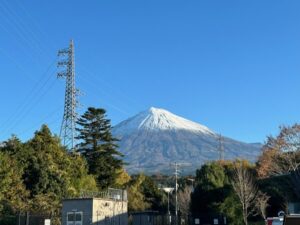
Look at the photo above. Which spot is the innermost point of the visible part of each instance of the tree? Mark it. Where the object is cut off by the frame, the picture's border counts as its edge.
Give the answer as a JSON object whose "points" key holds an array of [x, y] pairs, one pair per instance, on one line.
{"points": [[47, 172], [262, 204], [47, 165], [211, 176], [153, 195], [246, 190], [184, 200], [99, 147], [13, 195], [122, 179], [265, 163], [80, 180], [281, 155], [231, 208], [211, 187], [144, 194], [136, 199]]}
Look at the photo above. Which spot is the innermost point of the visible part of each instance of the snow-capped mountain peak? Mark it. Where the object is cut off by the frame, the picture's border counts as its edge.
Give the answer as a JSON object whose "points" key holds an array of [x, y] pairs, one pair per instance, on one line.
{"points": [[154, 138], [156, 119]]}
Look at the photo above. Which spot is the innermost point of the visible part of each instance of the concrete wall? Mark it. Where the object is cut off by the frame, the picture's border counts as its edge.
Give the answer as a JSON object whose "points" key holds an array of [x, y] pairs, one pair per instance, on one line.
{"points": [[111, 212]]}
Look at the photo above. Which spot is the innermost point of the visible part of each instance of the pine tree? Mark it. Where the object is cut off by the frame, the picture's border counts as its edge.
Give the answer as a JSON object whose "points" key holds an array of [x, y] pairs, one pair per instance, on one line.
{"points": [[99, 147]]}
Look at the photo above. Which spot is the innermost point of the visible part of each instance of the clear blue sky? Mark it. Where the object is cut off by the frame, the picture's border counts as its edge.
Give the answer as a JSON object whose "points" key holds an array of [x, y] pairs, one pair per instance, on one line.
{"points": [[233, 66]]}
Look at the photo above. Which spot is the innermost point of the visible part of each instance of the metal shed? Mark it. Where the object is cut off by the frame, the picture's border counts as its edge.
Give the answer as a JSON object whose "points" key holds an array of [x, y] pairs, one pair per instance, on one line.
{"points": [[105, 208]]}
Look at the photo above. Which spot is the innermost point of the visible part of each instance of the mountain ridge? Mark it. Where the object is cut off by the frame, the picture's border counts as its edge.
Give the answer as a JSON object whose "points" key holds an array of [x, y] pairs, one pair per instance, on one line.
{"points": [[156, 137]]}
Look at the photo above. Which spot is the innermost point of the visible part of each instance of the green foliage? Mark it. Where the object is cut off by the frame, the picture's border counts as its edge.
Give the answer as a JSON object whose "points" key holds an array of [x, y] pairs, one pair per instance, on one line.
{"points": [[213, 192], [80, 180], [153, 195], [13, 194], [144, 195], [46, 170], [279, 188], [99, 147], [211, 176], [40, 173], [122, 179], [231, 207], [136, 199]]}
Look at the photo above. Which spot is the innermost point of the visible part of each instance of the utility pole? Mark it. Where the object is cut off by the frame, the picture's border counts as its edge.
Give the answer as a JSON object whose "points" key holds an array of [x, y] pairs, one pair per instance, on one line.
{"points": [[176, 189], [67, 63], [177, 171], [221, 147]]}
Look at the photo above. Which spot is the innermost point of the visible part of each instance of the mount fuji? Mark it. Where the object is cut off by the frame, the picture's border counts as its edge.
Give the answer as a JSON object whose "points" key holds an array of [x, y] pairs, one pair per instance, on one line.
{"points": [[155, 138]]}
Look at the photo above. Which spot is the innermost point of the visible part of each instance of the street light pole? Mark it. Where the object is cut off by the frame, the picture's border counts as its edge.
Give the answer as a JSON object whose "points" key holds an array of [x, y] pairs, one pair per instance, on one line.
{"points": [[169, 190], [168, 203]]}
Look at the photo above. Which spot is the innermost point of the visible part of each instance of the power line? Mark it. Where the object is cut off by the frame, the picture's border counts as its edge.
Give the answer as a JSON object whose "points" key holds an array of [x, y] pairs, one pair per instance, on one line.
{"points": [[27, 33], [48, 116], [30, 107], [110, 88], [94, 86], [29, 98], [34, 23]]}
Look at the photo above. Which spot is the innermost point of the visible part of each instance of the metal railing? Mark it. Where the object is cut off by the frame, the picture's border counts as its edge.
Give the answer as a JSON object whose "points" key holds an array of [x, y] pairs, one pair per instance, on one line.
{"points": [[110, 193]]}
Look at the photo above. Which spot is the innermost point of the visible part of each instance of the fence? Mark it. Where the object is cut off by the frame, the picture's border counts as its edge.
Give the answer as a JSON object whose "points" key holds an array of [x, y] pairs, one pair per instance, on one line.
{"points": [[154, 218], [110, 193], [78, 218], [141, 218], [29, 219]]}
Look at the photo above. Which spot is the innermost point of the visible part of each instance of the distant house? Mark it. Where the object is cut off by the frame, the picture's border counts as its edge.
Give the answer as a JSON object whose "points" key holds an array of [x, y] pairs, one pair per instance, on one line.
{"points": [[106, 208]]}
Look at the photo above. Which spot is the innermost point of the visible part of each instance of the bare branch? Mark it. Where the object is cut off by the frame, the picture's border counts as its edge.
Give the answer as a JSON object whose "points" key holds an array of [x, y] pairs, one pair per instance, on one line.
{"points": [[184, 200], [261, 204], [245, 189]]}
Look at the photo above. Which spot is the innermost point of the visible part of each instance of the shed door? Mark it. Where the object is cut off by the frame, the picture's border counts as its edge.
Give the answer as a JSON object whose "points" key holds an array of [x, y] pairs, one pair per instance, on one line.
{"points": [[74, 218]]}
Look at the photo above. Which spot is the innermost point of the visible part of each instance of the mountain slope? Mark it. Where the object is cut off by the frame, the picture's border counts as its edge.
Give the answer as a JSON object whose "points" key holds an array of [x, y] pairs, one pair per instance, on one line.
{"points": [[153, 139]]}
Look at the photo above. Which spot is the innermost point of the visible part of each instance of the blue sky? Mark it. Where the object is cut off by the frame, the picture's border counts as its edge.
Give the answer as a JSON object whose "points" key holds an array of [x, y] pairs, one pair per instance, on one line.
{"points": [[233, 66]]}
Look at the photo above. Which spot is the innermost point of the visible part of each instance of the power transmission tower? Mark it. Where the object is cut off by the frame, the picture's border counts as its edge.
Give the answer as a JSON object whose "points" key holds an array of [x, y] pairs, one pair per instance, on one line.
{"points": [[67, 63], [221, 147]]}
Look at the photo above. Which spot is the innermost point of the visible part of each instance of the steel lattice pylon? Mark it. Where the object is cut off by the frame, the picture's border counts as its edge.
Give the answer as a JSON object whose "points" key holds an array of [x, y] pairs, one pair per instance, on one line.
{"points": [[67, 63]]}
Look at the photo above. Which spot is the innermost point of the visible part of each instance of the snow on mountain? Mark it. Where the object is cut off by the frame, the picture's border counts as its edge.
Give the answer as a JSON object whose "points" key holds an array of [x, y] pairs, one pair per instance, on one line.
{"points": [[156, 119], [154, 138]]}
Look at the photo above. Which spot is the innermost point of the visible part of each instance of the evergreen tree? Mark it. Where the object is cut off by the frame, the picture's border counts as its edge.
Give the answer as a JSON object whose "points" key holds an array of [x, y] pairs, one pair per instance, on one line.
{"points": [[211, 187], [13, 194], [136, 198], [38, 174], [144, 194], [99, 147]]}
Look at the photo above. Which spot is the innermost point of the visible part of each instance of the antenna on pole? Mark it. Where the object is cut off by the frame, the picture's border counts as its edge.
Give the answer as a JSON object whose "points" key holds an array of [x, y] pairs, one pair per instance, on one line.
{"points": [[67, 63], [221, 147]]}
